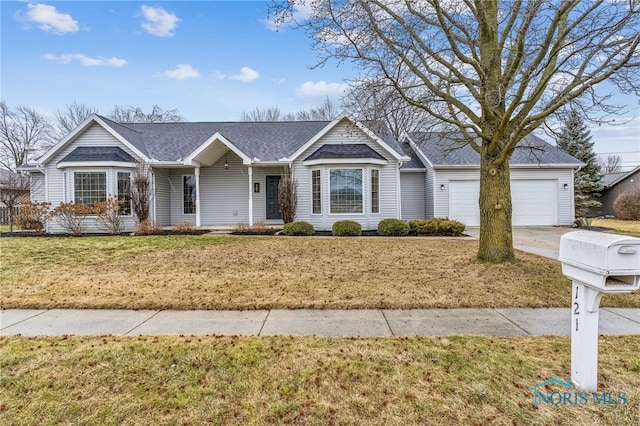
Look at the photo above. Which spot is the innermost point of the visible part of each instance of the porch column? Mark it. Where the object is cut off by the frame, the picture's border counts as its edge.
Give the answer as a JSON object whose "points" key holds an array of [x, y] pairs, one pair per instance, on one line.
{"points": [[250, 196], [196, 172]]}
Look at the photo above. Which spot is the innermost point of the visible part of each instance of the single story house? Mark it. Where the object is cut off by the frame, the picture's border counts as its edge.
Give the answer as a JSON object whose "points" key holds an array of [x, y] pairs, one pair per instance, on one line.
{"points": [[225, 173], [614, 185]]}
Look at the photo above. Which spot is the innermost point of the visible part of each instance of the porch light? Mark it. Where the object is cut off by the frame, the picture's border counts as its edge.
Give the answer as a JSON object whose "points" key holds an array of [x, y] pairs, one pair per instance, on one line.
{"points": [[226, 162], [565, 186], [442, 187]]}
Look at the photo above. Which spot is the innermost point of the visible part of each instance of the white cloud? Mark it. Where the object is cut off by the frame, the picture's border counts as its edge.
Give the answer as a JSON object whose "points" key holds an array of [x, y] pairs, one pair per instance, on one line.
{"points": [[158, 21], [182, 72], [49, 19], [311, 89], [246, 75], [85, 60]]}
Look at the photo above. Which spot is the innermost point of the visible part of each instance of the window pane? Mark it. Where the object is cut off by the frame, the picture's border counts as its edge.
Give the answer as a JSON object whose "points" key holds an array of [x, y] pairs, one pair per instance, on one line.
{"points": [[315, 188], [124, 196], [375, 191], [189, 194], [346, 190], [89, 187]]}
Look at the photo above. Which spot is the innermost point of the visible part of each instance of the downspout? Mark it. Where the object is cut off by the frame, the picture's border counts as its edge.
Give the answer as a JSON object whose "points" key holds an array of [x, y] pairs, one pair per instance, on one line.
{"points": [[197, 175], [250, 171]]}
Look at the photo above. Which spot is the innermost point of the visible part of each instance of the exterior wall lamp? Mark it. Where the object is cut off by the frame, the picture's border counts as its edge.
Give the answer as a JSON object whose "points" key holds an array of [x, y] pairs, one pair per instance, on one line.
{"points": [[565, 186], [442, 187]]}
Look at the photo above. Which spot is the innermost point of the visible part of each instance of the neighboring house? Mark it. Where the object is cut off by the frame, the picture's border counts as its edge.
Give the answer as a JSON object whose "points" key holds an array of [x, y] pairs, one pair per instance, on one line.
{"points": [[14, 189], [223, 174], [614, 185]]}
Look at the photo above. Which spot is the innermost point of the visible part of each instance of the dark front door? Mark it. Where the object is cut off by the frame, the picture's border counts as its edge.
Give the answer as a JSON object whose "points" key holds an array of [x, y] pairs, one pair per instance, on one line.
{"points": [[273, 206]]}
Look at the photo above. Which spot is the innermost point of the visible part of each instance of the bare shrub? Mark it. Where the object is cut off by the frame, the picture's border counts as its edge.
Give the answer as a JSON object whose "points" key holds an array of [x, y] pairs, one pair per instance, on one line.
{"points": [[140, 191], [108, 215], [71, 217], [34, 215], [627, 205], [184, 226], [147, 227], [287, 196]]}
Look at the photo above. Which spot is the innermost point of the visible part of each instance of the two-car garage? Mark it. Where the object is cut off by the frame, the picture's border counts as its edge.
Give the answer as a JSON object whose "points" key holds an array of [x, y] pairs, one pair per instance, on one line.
{"points": [[535, 202]]}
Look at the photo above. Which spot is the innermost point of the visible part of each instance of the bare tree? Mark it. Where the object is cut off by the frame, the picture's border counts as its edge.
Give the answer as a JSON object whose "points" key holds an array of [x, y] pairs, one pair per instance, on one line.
{"points": [[132, 114], [70, 118], [262, 114], [140, 192], [498, 70], [14, 189], [376, 100], [610, 164], [23, 132]]}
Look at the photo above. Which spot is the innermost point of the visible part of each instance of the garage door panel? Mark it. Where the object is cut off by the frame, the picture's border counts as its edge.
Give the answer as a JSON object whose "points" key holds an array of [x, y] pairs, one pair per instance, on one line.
{"points": [[535, 202]]}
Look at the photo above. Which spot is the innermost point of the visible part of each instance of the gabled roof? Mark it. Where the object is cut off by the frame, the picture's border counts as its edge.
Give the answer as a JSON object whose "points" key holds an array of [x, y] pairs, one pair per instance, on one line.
{"points": [[447, 149], [612, 179]]}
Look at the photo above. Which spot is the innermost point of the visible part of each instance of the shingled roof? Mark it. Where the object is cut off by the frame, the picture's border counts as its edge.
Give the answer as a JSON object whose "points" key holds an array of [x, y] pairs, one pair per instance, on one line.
{"points": [[447, 149], [98, 153], [349, 151]]}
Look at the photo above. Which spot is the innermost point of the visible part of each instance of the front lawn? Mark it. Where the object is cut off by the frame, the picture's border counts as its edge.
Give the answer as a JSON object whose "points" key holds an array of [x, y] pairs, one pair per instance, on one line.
{"points": [[225, 272], [312, 381], [629, 227]]}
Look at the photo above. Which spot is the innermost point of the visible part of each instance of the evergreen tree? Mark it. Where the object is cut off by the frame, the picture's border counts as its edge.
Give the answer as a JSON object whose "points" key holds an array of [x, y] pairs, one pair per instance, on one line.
{"points": [[575, 139]]}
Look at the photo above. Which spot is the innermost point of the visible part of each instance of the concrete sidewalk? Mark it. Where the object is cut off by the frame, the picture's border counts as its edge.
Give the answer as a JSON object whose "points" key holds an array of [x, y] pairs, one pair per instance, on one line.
{"points": [[304, 322]]}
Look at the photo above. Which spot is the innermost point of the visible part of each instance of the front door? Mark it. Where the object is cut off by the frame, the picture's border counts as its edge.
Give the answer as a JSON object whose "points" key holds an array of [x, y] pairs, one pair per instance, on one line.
{"points": [[273, 206]]}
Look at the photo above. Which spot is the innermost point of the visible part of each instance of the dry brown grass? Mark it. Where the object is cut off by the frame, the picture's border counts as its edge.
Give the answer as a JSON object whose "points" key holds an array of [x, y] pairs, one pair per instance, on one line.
{"points": [[313, 381], [201, 272], [631, 227]]}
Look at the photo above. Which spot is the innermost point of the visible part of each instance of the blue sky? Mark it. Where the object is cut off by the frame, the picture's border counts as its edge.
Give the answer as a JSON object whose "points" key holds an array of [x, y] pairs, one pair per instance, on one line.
{"points": [[211, 60]]}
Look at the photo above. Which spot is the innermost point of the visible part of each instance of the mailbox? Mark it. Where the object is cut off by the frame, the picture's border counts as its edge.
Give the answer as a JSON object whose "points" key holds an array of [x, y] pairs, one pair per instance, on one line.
{"points": [[606, 262]]}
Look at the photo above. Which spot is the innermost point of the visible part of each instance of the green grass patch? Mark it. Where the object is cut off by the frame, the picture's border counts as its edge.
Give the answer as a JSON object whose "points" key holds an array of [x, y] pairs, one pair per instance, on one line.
{"points": [[282, 380]]}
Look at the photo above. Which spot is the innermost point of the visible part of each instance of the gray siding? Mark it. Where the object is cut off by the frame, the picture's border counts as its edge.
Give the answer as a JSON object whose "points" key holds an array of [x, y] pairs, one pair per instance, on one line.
{"points": [[38, 193], [260, 199], [413, 195], [346, 133], [162, 197]]}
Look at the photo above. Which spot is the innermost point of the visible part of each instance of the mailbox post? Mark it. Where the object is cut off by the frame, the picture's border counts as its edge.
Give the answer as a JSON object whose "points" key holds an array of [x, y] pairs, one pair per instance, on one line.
{"points": [[597, 264]]}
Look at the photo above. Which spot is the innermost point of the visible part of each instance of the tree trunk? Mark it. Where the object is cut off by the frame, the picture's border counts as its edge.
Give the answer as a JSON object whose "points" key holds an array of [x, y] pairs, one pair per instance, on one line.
{"points": [[496, 241]]}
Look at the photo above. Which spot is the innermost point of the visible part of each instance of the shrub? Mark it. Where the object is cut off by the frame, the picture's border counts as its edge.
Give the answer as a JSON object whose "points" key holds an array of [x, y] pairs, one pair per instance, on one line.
{"points": [[346, 228], [627, 205], [184, 226], [34, 215], [70, 217], [108, 215], [436, 226], [393, 228], [259, 228], [287, 195], [298, 228], [147, 227]]}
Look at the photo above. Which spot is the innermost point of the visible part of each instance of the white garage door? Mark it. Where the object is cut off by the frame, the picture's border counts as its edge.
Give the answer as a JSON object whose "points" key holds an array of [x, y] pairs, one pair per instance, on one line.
{"points": [[534, 202]]}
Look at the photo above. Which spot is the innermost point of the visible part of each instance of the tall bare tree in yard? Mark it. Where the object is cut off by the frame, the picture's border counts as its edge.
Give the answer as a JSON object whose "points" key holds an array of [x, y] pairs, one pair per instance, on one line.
{"points": [[498, 70], [130, 114], [610, 164], [23, 132], [70, 118]]}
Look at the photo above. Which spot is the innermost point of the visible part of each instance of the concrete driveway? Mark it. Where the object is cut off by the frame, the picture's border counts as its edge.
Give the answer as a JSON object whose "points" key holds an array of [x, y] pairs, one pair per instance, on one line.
{"points": [[540, 240]]}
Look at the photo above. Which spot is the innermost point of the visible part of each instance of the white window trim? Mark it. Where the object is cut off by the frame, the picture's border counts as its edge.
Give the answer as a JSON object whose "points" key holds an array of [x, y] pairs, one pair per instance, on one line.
{"points": [[363, 191], [72, 183], [115, 177], [321, 198]]}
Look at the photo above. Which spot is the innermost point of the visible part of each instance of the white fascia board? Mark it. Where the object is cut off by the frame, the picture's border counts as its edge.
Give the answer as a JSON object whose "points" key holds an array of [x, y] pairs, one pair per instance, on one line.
{"points": [[331, 161], [165, 164], [190, 159], [259, 163], [67, 164], [93, 118]]}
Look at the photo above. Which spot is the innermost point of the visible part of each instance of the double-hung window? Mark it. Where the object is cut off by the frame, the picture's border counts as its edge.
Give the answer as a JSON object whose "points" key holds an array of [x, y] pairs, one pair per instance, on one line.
{"points": [[345, 187], [124, 192], [89, 187], [189, 194], [316, 194], [375, 191]]}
